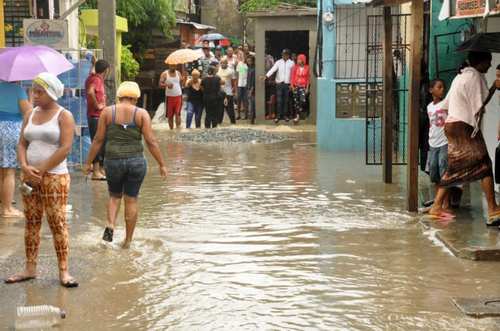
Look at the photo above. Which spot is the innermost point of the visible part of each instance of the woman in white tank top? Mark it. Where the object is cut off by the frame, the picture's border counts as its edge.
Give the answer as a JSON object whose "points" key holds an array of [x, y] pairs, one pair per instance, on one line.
{"points": [[46, 140]]}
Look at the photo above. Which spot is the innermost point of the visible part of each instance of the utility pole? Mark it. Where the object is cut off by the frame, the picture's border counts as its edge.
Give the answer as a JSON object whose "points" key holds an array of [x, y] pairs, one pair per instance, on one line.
{"points": [[416, 54], [417, 44], [387, 122], [107, 42]]}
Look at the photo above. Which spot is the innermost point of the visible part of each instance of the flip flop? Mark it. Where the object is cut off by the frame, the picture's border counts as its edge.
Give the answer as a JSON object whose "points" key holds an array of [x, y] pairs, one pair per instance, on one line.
{"points": [[493, 220], [18, 279], [447, 214], [99, 178], [443, 216], [428, 203], [70, 283]]}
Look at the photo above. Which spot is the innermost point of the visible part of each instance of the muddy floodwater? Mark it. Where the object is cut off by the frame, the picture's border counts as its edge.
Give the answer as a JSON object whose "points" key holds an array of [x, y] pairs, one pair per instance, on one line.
{"points": [[253, 237]]}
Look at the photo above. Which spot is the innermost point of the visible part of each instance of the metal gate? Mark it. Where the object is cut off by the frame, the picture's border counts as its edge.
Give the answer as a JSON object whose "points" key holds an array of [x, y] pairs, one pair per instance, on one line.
{"points": [[375, 84], [15, 11]]}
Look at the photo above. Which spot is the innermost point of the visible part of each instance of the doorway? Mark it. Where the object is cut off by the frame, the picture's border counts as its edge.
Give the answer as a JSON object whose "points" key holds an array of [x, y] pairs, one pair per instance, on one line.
{"points": [[275, 41], [296, 41]]}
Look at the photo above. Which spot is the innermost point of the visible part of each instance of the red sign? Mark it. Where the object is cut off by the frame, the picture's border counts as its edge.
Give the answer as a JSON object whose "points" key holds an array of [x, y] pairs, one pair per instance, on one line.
{"points": [[470, 8]]}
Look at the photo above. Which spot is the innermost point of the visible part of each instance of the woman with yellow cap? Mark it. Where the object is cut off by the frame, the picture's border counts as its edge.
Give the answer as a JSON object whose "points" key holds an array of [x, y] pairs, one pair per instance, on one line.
{"points": [[194, 100], [45, 142], [123, 126]]}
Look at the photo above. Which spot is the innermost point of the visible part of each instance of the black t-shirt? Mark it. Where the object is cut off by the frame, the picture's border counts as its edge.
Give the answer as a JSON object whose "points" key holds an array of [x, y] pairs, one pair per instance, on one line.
{"points": [[194, 96], [211, 87]]}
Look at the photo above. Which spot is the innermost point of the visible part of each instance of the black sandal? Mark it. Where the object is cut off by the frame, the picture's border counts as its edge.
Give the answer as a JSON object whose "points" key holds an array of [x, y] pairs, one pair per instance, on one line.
{"points": [[70, 283], [108, 235]]}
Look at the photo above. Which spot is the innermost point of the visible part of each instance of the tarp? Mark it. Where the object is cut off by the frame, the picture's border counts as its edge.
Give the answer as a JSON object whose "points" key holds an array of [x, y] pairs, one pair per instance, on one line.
{"points": [[482, 42]]}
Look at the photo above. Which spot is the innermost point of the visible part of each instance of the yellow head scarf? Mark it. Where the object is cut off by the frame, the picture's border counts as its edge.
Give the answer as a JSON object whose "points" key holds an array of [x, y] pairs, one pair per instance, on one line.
{"points": [[128, 90]]}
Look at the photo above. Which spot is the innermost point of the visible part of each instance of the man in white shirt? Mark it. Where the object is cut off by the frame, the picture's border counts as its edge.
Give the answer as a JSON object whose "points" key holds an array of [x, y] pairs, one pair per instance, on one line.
{"points": [[226, 74], [232, 61], [206, 60], [283, 69]]}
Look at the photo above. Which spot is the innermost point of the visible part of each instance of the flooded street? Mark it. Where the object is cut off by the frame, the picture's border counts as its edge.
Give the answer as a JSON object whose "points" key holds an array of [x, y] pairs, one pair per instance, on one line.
{"points": [[253, 237]]}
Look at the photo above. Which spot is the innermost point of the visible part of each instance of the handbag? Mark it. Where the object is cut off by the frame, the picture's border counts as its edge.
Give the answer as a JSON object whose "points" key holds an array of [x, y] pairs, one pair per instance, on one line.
{"points": [[497, 164]]}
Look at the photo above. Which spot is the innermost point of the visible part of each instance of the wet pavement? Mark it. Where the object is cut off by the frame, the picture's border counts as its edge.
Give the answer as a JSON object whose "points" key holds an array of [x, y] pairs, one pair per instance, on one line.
{"points": [[254, 237], [466, 236]]}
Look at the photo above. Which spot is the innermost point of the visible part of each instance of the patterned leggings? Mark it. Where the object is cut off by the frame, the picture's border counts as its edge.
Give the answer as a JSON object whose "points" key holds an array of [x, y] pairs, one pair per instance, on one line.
{"points": [[51, 195], [299, 101]]}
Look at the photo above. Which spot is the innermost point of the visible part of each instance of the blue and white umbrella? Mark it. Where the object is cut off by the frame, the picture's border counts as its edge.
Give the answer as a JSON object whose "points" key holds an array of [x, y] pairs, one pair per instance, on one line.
{"points": [[212, 37]]}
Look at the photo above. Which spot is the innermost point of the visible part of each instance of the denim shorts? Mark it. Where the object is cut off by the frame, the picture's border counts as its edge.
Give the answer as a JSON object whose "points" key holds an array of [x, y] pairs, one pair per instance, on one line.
{"points": [[242, 94], [438, 162], [125, 176]]}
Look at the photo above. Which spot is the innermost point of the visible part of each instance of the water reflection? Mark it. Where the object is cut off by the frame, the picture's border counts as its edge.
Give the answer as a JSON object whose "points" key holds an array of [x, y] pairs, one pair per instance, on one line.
{"points": [[257, 237]]}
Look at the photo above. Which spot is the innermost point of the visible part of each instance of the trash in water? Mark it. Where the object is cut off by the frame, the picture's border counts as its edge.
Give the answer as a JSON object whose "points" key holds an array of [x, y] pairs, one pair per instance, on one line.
{"points": [[38, 317]]}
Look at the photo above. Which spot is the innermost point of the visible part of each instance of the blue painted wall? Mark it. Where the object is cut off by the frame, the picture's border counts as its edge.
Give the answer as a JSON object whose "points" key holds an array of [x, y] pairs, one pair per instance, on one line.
{"points": [[334, 133], [339, 134]]}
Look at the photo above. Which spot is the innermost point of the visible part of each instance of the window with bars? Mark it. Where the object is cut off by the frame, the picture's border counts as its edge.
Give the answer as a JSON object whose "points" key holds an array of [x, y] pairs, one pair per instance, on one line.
{"points": [[14, 13], [351, 41], [351, 60]]}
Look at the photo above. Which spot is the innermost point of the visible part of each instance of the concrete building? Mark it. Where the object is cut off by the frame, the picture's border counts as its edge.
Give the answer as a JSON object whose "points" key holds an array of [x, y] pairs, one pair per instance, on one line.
{"points": [[16, 10], [279, 29], [343, 87], [225, 15]]}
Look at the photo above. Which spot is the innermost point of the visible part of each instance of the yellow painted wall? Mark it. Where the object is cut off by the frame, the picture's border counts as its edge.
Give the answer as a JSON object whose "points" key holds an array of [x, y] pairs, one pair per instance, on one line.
{"points": [[2, 27], [90, 19]]}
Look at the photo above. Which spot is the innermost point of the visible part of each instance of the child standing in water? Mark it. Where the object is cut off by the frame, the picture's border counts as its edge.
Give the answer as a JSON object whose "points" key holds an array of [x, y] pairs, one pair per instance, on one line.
{"points": [[438, 143]]}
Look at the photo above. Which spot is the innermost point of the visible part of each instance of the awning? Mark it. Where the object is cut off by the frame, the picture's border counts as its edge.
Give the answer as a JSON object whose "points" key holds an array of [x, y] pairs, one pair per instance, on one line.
{"points": [[482, 42], [197, 26]]}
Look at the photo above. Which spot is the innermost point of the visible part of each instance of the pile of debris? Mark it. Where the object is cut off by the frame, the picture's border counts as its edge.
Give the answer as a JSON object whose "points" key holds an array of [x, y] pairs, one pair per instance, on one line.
{"points": [[229, 136]]}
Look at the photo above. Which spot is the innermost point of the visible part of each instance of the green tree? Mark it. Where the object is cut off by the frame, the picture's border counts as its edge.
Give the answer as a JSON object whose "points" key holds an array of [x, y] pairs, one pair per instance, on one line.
{"points": [[252, 5], [143, 16], [129, 66]]}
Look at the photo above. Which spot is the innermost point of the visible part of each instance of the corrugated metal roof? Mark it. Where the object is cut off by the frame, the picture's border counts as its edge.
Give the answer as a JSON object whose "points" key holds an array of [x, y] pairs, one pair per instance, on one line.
{"points": [[198, 26]]}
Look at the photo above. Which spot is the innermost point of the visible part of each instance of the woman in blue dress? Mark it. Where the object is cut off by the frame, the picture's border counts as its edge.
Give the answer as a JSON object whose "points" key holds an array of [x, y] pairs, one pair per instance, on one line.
{"points": [[13, 104]]}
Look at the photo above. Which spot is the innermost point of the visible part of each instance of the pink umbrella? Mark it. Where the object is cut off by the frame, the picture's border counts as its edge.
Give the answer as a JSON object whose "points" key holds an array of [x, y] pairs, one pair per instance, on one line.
{"points": [[26, 62]]}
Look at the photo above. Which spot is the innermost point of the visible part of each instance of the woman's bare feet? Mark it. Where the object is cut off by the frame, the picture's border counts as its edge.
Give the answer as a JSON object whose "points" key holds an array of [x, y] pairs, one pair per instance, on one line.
{"points": [[28, 274], [435, 210], [495, 211], [11, 212], [126, 244]]}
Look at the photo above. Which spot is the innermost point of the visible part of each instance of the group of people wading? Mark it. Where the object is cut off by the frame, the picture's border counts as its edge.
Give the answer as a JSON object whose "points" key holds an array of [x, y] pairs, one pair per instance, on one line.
{"points": [[38, 136], [225, 84]]}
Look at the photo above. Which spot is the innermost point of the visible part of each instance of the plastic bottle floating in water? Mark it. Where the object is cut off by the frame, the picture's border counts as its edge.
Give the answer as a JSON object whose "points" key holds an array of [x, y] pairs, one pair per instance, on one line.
{"points": [[38, 317]]}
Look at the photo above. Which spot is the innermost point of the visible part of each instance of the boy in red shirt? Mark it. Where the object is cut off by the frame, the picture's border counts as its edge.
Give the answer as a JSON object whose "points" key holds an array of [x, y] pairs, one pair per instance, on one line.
{"points": [[96, 102]]}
